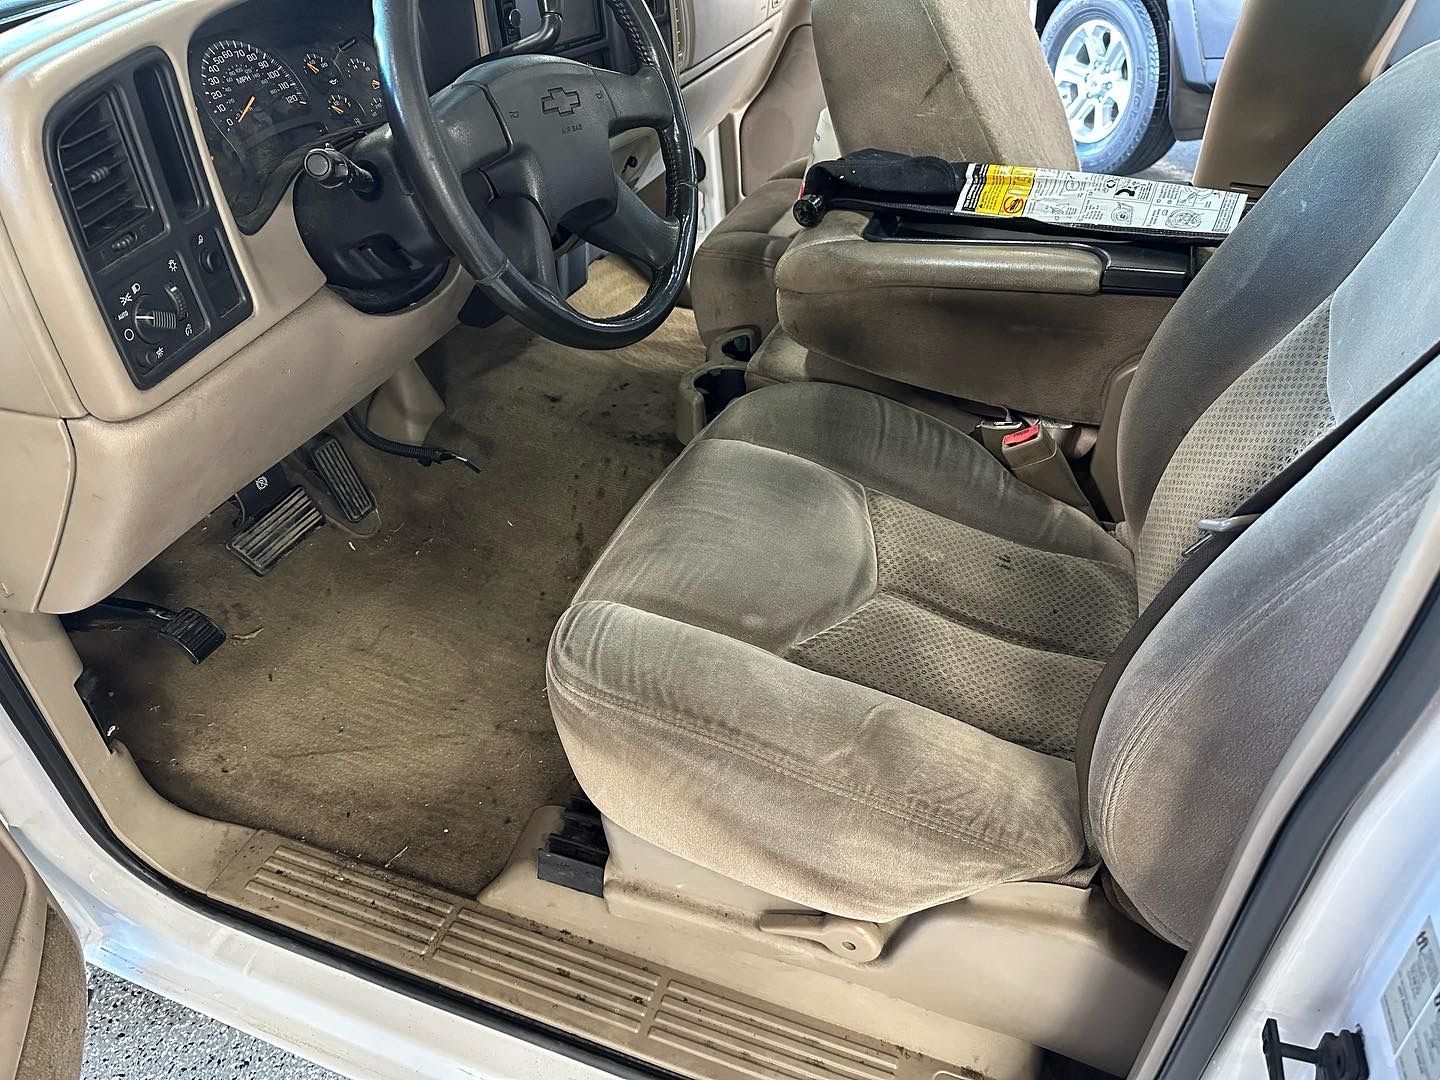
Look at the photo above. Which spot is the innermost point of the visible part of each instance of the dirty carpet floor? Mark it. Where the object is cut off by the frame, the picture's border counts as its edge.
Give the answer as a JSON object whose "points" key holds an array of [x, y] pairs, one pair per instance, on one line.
{"points": [[383, 696]]}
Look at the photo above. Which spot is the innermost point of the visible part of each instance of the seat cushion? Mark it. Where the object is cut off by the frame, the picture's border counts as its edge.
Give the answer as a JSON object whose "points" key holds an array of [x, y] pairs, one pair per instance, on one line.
{"points": [[733, 279], [839, 654]]}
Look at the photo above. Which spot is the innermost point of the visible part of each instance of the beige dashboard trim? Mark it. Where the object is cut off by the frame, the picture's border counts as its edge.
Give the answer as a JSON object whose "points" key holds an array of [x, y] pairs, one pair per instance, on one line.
{"points": [[325, 353], [30, 380], [36, 473], [99, 477], [31, 345], [39, 65]]}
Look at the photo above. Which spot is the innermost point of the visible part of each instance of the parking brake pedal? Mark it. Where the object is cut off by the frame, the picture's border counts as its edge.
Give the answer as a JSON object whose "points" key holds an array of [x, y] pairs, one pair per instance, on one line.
{"points": [[334, 467], [193, 632], [276, 532]]}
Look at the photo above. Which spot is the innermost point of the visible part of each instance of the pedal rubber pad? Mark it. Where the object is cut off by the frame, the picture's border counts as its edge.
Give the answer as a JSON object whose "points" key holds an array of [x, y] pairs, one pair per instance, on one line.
{"points": [[195, 633], [277, 532], [338, 471]]}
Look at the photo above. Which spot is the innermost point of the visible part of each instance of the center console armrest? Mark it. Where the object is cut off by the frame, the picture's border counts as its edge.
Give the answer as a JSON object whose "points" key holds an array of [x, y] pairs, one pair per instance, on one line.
{"points": [[847, 251], [1026, 321]]}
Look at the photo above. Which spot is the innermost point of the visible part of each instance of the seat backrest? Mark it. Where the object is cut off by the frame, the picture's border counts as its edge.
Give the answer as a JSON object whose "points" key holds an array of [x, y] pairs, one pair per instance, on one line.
{"points": [[964, 80], [1326, 291]]}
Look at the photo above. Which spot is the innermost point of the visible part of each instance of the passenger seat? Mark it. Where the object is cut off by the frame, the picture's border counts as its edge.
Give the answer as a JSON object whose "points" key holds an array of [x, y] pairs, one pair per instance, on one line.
{"points": [[961, 79]]}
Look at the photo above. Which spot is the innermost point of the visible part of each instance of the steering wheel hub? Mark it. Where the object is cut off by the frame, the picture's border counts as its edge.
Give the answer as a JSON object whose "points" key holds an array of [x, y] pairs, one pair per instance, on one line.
{"points": [[496, 169]]}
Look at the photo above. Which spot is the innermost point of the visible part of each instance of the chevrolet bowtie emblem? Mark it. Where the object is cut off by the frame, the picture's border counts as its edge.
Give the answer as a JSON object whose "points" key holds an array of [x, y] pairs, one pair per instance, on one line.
{"points": [[560, 102]]}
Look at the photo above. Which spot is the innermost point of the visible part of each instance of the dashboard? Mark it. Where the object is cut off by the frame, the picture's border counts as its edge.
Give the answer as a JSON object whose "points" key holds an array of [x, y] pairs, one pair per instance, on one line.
{"points": [[169, 333], [270, 84], [268, 91], [270, 81]]}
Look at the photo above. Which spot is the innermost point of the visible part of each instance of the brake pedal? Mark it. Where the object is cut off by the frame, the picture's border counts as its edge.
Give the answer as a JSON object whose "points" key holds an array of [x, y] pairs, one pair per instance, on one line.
{"points": [[277, 532], [193, 632], [342, 480]]}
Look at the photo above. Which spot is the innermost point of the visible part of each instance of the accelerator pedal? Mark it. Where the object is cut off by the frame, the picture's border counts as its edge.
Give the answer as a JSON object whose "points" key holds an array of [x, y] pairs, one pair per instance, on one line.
{"points": [[277, 532], [344, 483], [575, 857]]}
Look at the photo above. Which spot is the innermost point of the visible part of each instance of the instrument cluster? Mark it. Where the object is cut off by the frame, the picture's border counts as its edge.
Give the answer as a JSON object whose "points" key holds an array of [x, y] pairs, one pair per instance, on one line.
{"points": [[267, 96]]}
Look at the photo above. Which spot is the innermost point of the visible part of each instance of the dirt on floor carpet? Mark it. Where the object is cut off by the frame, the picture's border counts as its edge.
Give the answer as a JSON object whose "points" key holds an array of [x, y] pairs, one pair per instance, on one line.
{"points": [[383, 695]]}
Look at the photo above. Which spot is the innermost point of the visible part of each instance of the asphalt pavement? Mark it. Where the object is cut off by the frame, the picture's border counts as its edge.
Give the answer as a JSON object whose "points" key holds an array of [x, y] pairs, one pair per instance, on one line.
{"points": [[137, 1035], [1176, 166]]}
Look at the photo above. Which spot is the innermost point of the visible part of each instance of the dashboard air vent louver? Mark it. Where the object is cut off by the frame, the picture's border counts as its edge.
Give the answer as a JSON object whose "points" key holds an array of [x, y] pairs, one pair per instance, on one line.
{"points": [[98, 172]]}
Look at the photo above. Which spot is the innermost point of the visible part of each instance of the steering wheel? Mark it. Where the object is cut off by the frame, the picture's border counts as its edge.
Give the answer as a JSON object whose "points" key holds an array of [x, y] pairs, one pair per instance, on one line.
{"points": [[527, 138]]}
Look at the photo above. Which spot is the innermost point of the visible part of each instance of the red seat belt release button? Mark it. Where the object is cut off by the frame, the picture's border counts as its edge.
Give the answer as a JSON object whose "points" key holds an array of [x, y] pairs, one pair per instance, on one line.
{"points": [[1021, 437]]}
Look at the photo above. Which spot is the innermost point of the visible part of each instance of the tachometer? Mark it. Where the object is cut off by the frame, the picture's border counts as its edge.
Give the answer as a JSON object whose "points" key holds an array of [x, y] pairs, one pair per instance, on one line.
{"points": [[247, 90]]}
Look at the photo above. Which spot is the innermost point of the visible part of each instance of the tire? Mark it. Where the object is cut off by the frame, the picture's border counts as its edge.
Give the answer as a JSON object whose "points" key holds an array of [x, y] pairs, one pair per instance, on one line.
{"points": [[1123, 48]]}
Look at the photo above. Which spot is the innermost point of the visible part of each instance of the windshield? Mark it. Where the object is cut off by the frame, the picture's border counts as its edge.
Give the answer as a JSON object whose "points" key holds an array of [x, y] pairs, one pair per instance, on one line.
{"points": [[13, 11]]}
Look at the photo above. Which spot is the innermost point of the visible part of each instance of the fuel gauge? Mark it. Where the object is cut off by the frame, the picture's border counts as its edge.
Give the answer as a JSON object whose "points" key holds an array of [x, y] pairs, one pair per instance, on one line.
{"points": [[344, 107]]}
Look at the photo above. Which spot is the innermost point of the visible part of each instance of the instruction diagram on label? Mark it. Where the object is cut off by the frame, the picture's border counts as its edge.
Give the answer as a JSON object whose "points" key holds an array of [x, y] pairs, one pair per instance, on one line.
{"points": [[1098, 200], [1411, 1007]]}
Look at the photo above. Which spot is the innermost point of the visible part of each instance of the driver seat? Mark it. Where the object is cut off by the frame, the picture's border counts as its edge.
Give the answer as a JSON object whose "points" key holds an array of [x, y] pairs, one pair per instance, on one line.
{"points": [[964, 80], [839, 654]]}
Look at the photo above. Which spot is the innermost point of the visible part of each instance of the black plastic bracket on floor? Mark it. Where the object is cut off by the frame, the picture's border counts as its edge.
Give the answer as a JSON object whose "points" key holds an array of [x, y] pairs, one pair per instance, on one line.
{"points": [[575, 856], [193, 632], [87, 689], [333, 465]]}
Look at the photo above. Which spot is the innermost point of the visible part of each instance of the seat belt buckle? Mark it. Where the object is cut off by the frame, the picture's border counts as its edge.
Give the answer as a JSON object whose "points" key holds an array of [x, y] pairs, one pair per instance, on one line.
{"points": [[1027, 434], [1033, 455]]}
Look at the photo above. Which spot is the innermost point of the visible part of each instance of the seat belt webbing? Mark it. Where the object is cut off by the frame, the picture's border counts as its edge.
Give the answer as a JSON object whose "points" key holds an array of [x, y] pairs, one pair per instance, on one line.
{"points": [[1216, 536]]}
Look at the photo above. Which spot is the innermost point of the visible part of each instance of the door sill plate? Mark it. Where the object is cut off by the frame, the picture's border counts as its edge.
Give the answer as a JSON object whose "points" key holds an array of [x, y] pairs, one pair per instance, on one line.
{"points": [[650, 1012]]}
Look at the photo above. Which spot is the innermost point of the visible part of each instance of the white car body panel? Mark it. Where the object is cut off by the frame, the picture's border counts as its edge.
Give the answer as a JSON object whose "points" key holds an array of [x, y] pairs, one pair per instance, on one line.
{"points": [[321, 1012]]}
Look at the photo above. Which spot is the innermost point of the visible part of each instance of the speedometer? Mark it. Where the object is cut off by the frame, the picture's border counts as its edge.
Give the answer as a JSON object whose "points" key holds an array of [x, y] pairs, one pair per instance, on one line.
{"points": [[247, 90]]}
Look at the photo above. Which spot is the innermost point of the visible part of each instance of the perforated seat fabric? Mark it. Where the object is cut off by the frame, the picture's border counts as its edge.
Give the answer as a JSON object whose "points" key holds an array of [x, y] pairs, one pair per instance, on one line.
{"points": [[825, 545], [838, 654]]}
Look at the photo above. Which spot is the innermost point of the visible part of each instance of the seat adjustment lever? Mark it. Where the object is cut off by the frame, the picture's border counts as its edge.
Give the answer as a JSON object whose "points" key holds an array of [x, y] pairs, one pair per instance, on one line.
{"points": [[847, 938]]}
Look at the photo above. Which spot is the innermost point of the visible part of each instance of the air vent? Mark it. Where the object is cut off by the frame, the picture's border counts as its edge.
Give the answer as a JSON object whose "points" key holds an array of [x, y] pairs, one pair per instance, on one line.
{"points": [[106, 194]]}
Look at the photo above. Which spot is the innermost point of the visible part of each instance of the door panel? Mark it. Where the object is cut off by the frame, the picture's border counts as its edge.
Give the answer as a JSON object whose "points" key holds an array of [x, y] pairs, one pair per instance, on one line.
{"points": [[779, 126], [42, 978]]}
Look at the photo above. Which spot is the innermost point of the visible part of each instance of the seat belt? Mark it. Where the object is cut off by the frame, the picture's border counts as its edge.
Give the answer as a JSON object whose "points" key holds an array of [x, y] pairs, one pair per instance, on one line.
{"points": [[1217, 534], [1033, 455]]}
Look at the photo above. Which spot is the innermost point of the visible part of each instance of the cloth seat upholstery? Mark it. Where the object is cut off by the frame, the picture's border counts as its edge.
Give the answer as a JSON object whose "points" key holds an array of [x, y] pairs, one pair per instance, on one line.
{"points": [[838, 654], [842, 548]]}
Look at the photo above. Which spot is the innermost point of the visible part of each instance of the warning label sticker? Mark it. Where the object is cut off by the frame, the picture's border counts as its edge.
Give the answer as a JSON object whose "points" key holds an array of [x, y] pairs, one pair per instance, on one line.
{"points": [[1411, 1007], [1096, 200], [1419, 1056]]}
